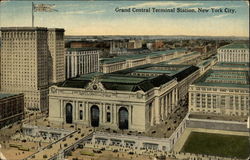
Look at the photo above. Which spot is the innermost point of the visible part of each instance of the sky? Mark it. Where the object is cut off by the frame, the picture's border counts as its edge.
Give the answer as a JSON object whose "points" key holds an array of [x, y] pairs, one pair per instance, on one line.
{"points": [[100, 17]]}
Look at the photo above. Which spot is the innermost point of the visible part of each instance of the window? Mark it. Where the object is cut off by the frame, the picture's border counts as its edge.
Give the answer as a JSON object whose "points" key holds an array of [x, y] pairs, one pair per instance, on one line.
{"points": [[108, 116], [81, 115]]}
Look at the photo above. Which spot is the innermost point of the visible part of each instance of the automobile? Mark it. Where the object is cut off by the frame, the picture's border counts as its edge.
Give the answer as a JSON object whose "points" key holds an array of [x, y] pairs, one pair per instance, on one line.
{"points": [[97, 151], [131, 153], [115, 150], [102, 149]]}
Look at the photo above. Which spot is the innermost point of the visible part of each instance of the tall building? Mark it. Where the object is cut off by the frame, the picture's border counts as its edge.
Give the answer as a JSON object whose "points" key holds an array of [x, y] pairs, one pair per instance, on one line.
{"points": [[31, 57], [56, 55], [81, 61], [235, 52], [24, 64]]}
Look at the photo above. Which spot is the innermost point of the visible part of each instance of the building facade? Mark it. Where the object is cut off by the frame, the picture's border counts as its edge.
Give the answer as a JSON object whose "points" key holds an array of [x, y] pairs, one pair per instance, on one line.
{"points": [[235, 52], [223, 92], [11, 108], [81, 61], [56, 55], [31, 58], [114, 100], [24, 64]]}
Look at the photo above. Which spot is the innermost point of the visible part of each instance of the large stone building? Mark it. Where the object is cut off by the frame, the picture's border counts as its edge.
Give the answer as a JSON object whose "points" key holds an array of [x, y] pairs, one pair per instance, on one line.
{"points": [[11, 108], [133, 99], [81, 61], [109, 65], [56, 55], [235, 52], [223, 92], [30, 59]]}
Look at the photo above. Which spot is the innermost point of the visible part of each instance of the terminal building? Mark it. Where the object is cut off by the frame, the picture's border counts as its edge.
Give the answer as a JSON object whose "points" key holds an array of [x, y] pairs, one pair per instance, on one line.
{"points": [[114, 100], [222, 92], [11, 108], [235, 52], [81, 61]]}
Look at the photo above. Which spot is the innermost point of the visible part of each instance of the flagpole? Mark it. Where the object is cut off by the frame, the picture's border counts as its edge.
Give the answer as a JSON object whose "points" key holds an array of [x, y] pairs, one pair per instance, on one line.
{"points": [[32, 14]]}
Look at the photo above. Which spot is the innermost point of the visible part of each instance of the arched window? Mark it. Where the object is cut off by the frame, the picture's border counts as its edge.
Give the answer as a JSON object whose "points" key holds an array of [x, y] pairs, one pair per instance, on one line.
{"points": [[80, 115], [69, 116], [94, 116], [123, 118]]}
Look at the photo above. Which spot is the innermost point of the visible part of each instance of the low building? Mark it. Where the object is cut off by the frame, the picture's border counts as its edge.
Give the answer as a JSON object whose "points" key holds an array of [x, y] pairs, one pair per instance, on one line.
{"points": [[114, 100], [109, 65], [81, 61], [224, 92], [11, 108], [235, 52]]}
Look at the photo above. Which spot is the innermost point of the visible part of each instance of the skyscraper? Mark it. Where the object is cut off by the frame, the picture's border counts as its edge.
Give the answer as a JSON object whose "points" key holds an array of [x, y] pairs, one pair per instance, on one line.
{"points": [[56, 55], [31, 58]]}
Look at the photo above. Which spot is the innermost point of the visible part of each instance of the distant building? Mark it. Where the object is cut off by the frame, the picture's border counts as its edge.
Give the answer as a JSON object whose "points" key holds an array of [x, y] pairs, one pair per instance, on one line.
{"points": [[81, 61], [158, 44], [109, 65], [118, 47], [11, 108], [235, 52], [134, 44]]}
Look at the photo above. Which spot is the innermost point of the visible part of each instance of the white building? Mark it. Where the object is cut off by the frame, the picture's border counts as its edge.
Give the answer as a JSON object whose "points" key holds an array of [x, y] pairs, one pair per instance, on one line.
{"points": [[132, 100], [81, 61], [235, 52], [224, 92]]}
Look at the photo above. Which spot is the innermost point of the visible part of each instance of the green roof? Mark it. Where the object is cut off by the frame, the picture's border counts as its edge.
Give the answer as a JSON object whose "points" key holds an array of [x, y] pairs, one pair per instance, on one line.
{"points": [[235, 46], [3, 95], [138, 56], [82, 49], [243, 77], [153, 71], [232, 64]]}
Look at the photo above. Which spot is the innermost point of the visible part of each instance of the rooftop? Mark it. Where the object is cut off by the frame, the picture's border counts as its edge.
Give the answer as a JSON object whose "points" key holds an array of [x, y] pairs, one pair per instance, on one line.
{"points": [[232, 64], [235, 46], [224, 78], [124, 81], [22, 29], [6, 95], [82, 49], [139, 56]]}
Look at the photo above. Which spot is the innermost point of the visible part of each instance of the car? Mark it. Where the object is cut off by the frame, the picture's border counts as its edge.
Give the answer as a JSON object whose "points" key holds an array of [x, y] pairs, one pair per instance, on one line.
{"points": [[97, 151]]}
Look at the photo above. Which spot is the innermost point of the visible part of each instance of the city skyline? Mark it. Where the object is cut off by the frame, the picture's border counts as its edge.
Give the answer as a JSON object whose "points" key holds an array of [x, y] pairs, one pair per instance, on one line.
{"points": [[100, 18]]}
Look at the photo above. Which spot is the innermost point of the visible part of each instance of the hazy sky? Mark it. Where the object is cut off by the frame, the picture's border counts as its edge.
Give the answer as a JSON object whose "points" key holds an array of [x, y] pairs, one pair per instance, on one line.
{"points": [[100, 18]]}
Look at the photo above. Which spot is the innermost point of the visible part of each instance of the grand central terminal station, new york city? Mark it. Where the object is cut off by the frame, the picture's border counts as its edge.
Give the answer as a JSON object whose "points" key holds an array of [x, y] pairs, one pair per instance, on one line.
{"points": [[135, 98]]}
